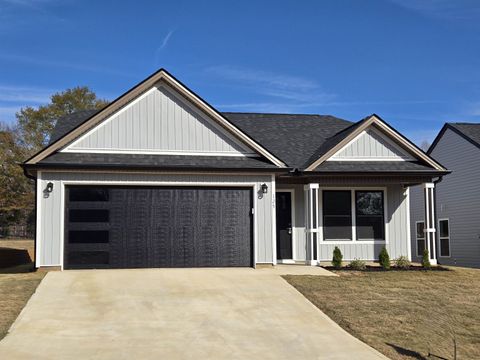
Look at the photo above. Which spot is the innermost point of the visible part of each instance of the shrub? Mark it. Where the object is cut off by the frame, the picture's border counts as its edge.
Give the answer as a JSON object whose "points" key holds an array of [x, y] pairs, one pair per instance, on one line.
{"points": [[358, 264], [402, 263], [337, 258], [384, 259], [426, 260]]}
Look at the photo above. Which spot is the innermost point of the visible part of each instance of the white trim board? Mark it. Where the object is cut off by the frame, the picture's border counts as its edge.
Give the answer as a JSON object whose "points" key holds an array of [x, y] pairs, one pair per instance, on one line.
{"points": [[155, 152]]}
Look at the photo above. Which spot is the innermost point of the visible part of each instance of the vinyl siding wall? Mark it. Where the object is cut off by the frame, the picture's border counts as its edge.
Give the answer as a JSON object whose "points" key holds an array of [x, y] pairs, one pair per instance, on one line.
{"points": [[159, 121], [371, 144], [51, 210], [457, 198], [397, 228]]}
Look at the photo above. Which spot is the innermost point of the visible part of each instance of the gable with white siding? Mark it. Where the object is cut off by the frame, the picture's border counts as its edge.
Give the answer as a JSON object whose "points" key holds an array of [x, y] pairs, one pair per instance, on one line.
{"points": [[370, 145], [160, 121]]}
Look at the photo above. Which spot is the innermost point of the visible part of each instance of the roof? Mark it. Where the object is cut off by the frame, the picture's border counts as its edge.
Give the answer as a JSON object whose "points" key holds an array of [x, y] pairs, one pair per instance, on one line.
{"points": [[373, 166], [296, 139], [148, 161], [469, 131], [293, 138], [159, 76]]}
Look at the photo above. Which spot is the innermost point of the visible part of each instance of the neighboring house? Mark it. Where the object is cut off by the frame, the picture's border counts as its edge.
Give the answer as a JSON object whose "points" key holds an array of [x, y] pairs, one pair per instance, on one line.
{"points": [[159, 178], [457, 210]]}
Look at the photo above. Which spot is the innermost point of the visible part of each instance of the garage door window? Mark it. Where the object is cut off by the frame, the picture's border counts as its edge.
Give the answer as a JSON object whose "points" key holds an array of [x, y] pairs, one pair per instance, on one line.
{"points": [[89, 215], [88, 236], [88, 194]]}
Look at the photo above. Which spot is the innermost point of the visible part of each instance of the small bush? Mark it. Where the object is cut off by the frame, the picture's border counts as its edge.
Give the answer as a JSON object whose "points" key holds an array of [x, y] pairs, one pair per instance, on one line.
{"points": [[384, 259], [426, 260], [337, 258], [402, 263], [358, 264]]}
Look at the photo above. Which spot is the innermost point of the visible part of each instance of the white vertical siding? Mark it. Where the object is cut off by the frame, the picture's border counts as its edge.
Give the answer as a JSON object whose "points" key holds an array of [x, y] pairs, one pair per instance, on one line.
{"points": [[457, 198], [372, 144], [159, 120], [51, 207]]}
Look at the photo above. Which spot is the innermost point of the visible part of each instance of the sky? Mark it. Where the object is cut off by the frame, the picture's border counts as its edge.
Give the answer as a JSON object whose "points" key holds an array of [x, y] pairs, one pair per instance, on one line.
{"points": [[414, 63]]}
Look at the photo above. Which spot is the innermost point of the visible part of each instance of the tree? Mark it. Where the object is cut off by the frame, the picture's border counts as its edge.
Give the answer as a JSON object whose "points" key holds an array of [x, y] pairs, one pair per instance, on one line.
{"points": [[36, 125], [337, 258], [425, 145], [30, 134], [384, 258]]}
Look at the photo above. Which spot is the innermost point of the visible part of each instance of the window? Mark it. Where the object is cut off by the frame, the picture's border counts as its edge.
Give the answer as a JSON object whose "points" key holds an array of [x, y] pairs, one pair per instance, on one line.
{"points": [[337, 215], [88, 236], [90, 215], [369, 216], [420, 227], [444, 237], [88, 194]]}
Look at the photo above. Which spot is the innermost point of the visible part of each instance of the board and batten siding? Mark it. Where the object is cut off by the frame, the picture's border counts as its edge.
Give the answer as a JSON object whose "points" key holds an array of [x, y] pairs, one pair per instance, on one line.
{"points": [[160, 120], [457, 199], [50, 208], [371, 144], [397, 217]]}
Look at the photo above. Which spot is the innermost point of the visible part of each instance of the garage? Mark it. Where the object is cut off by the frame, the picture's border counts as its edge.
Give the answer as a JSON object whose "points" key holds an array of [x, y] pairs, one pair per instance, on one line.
{"points": [[145, 227]]}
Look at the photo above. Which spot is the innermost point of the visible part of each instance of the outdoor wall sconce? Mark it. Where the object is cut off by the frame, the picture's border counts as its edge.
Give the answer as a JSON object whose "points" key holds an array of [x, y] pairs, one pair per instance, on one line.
{"points": [[264, 188], [49, 187]]}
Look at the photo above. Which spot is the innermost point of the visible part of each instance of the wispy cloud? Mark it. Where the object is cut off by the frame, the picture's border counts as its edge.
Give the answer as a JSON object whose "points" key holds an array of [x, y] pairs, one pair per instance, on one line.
{"points": [[24, 94], [34, 60], [166, 39], [443, 9], [295, 90]]}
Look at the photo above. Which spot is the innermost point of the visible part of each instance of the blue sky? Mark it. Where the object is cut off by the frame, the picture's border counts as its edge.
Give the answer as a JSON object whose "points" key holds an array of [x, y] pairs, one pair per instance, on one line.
{"points": [[415, 63]]}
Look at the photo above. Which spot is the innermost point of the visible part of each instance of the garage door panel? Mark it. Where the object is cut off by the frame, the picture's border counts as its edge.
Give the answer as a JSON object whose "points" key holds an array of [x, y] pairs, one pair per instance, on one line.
{"points": [[159, 227]]}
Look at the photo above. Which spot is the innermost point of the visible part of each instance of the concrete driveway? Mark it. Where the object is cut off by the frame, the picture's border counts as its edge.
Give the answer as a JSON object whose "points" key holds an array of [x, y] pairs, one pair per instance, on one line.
{"points": [[175, 314]]}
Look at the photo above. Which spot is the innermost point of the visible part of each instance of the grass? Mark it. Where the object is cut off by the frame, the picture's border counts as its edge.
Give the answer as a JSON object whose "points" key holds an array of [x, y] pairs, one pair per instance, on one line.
{"points": [[404, 315], [17, 283]]}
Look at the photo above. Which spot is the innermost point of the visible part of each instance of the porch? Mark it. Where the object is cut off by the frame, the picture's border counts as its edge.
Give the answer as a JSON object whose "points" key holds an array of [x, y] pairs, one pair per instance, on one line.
{"points": [[358, 214]]}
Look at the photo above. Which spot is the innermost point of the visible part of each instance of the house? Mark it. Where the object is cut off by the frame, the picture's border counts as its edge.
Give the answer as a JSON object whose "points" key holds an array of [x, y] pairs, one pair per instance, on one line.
{"points": [[160, 178], [457, 210]]}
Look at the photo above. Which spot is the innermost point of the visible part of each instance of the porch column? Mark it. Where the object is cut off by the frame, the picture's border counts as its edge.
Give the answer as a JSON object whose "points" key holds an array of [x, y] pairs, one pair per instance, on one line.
{"points": [[311, 223], [430, 221]]}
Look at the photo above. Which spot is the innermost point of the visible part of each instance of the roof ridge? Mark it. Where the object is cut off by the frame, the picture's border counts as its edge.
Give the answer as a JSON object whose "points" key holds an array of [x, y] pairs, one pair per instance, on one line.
{"points": [[266, 113]]}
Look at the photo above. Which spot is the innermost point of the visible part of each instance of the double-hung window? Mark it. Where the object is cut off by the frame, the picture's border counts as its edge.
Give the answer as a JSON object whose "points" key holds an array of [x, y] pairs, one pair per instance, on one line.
{"points": [[444, 237], [362, 219], [420, 229]]}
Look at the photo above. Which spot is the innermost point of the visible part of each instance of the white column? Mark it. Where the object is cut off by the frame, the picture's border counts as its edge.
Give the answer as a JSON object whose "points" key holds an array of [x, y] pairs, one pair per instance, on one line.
{"points": [[430, 221], [311, 223]]}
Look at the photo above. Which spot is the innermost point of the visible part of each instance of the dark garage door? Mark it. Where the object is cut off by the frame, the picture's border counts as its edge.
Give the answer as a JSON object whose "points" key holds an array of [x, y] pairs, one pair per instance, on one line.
{"points": [[135, 227]]}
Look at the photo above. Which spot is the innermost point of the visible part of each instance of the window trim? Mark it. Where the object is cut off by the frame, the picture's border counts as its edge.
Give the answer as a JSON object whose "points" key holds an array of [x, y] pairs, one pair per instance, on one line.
{"points": [[353, 209], [444, 237], [417, 238]]}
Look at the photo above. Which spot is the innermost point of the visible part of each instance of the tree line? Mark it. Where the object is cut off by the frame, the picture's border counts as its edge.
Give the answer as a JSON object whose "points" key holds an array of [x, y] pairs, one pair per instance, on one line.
{"points": [[26, 136]]}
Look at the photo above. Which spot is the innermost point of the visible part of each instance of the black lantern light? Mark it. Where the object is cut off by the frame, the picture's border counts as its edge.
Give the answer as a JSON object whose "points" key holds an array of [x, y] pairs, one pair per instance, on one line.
{"points": [[264, 188], [49, 187]]}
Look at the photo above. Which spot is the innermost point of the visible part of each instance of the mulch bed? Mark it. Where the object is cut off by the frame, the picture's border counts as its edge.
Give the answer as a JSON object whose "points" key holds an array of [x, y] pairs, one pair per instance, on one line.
{"points": [[370, 268]]}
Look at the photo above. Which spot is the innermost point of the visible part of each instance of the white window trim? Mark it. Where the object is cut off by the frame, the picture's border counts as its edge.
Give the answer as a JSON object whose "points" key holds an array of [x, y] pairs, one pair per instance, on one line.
{"points": [[443, 237], [417, 238], [294, 240], [354, 239]]}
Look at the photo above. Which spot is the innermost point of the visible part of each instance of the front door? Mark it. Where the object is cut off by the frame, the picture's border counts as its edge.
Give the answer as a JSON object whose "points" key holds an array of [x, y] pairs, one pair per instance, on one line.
{"points": [[284, 225]]}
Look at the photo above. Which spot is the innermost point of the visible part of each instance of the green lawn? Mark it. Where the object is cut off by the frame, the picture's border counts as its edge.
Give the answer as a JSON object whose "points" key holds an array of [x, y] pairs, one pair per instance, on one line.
{"points": [[404, 315]]}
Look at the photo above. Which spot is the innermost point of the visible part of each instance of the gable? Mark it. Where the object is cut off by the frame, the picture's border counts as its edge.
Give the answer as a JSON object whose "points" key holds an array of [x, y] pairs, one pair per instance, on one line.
{"points": [[160, 121], [370, 145]]}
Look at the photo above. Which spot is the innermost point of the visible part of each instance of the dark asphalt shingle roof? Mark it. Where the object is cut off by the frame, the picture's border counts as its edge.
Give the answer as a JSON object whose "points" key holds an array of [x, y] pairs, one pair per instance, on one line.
{"points": [[372, 166], [68, 122], [471, 130], [293, 138], [155, 161]]}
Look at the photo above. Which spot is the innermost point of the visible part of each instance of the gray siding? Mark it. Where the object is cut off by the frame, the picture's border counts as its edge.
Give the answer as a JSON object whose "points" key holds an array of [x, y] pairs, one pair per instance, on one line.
{"points": [[397, 228], [458, 199], [372, 144], [49, 228], [161, 120]]}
